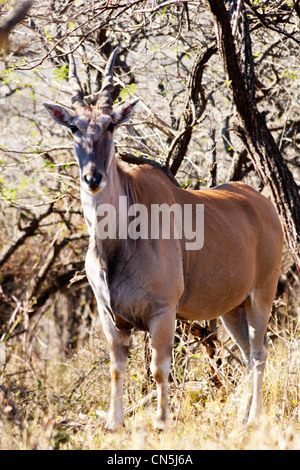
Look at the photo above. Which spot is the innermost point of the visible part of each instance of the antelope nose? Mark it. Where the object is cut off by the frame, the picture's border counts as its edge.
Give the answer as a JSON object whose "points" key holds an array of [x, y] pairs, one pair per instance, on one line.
{"points": [[93, 180]]}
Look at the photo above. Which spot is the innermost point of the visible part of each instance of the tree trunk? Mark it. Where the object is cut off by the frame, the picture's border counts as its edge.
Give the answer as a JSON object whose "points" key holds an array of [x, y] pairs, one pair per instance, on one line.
{"points": [[253, 131]]}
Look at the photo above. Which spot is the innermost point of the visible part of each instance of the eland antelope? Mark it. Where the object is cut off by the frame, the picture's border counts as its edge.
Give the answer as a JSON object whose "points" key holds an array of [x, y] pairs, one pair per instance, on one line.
{"points": [[146, 282]]}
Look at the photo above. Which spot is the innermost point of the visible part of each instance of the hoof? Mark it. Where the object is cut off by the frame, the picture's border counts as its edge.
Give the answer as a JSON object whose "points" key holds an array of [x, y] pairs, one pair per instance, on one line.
{"points": [[113, 426], [160, 425]]}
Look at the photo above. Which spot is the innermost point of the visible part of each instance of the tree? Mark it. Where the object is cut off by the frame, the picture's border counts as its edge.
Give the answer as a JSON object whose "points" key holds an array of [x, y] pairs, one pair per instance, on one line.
{"points": [[253, 130]]}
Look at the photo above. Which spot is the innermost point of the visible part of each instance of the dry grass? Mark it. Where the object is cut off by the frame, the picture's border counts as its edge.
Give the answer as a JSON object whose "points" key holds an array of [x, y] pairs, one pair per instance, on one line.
{"points": [[62, 402]]}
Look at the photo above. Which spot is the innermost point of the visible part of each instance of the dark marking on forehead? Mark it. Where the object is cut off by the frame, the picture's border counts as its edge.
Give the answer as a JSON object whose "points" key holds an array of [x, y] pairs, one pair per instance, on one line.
{"points": [[93, 124]]}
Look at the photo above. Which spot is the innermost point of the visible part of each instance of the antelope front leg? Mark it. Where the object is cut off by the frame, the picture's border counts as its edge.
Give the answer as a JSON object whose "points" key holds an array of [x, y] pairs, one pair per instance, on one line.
{"points": [[118, 345], [118, 351], [162, 329], [117, 339], [160, 367]]}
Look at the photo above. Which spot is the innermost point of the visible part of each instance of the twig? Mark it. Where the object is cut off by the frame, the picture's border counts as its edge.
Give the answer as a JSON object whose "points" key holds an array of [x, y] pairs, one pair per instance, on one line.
{"points": [[162, 5], [140, 403], [213, 160], [272, 27]]}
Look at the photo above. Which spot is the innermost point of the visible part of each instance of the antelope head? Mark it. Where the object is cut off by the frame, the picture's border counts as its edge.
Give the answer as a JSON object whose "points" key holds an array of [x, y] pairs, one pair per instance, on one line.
{"points": [[92, 121]]}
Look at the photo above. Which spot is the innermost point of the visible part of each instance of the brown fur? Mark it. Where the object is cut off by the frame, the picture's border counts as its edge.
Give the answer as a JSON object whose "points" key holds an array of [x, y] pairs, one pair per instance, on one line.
{"points": [[146, 283]]}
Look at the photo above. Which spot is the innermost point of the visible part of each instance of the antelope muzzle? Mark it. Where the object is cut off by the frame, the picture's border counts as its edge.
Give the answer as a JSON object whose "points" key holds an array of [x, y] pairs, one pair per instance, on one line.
{"points": [[93, 181]]}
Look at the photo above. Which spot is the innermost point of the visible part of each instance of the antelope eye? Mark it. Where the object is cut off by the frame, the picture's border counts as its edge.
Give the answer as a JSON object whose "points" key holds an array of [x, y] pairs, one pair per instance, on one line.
{"points": [[111, 127], [73, 128]]}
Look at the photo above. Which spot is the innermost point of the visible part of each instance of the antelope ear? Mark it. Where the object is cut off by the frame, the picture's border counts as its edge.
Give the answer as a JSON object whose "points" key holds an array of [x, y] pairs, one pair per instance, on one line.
{"points": [[124, 112], [59, 114]]}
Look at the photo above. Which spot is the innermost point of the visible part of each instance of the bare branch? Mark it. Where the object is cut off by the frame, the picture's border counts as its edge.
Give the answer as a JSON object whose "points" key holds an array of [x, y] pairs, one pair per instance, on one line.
{"points": [[192, 110], [12, 18], [28, 232]]}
